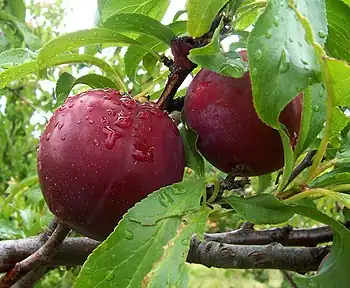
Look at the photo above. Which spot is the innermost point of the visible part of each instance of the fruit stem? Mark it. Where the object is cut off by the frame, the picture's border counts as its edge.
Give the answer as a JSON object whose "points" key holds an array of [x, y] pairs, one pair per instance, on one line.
{"points": [[322, 59], [216, 191]]}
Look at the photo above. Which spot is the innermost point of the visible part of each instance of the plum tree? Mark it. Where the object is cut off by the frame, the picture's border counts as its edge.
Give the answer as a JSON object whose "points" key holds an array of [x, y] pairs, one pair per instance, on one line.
{"points": [[100, 153], [230, 134]]}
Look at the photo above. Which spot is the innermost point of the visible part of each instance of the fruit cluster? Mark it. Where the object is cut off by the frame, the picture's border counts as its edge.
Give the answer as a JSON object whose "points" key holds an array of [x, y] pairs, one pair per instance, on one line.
{"points": [[102, 151]]}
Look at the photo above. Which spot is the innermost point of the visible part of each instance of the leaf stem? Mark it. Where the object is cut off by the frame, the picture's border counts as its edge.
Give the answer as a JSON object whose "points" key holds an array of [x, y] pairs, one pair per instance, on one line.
{"points": [[322, 59]]}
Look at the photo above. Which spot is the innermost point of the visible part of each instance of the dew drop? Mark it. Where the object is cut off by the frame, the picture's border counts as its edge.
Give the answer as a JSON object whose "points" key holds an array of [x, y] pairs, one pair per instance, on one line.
{"points": [[290, 40], [258, 54], [299, 43], [96, 142], [284, 64], [81, 100], [142, 152], [79, 122], [63, 138], [165, 200], [89, 108], [322, 34], [107, 97], [129, 235], [320, 94], [109, 276], [111, 137], [60, 125], [91, 121], [304, 62], [316, 108], [48, 136], [143, 115], [128, 103], [124, 122], [268, 35], [276, 21], [104, 120], [112, 112], [157, 112]]}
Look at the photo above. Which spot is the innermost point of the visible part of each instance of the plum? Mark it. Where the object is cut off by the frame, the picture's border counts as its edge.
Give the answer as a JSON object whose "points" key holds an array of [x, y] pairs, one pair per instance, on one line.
{"points": [[231, 136], [100, 153]]}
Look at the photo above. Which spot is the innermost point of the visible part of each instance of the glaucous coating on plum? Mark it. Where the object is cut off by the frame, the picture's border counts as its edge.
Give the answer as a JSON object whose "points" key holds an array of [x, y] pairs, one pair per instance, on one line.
{"points": [[231, 136], [100, 153]]}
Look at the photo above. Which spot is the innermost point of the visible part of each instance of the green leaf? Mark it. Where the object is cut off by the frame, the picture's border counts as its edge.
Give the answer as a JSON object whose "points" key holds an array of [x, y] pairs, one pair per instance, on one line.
{"points": [[194, 160], [139, 240], [169, 270], [66, 82], [338, 40], [7, 229], [264, 182], [136, 53], [332, 178], [31, 67], [335, 266], [282, 62], [32, 40], [288, 158], [15, 56], [339, 122], [17, 8], [201, 15], [152, 8], [261, 209], [81, 38], [63, 87], [138, 23], [211, 57], [313, 117], [340, 77]]}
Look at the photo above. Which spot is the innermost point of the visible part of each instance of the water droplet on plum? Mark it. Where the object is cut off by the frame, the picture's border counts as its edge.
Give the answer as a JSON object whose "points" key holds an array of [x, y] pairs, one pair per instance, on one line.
{"points": [[124, 122], [143, 115], [63, 138], [128, 103], [89, 108], [60, 126]]}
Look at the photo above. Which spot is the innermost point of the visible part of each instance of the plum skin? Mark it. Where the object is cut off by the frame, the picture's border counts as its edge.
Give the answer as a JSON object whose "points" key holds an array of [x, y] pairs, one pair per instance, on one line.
{"points": [[230, 134], [100, 153]]}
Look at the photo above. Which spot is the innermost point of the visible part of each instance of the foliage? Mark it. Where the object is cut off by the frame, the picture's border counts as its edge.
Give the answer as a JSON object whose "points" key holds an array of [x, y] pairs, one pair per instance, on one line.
{"points": [[293, 47]]}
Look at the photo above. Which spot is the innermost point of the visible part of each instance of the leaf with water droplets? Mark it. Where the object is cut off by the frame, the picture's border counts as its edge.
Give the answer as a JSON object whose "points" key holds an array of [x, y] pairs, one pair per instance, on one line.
{"points": [[175, 253], [144, 238]]}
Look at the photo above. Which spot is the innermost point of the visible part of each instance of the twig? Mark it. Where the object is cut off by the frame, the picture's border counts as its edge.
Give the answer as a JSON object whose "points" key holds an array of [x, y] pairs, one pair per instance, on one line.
{"points": [[272, 256], [287, 236], [41, 256]]}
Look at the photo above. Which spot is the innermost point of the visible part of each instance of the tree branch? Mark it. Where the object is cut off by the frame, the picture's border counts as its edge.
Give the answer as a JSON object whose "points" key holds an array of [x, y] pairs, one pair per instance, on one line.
{"points": [[287, 236], [74, 252], [43, 255], [272, 256]]}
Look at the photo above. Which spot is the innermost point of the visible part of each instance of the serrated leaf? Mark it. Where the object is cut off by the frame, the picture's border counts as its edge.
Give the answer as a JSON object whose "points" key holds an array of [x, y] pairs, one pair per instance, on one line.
{"points": [[138, 23], [152, 8], [313, 117], [332, 178], [32, 40], [15, 56], [338, 40], [168, 272], [194, 160], [201, 14], [70, 41], [261, 209], [282, 62], [130, 252], [340, 76], [211, 57]]}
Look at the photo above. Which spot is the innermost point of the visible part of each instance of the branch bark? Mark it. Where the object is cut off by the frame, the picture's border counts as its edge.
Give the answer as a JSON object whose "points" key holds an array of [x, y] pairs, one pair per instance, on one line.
{"points": [[287, 236], [271, 256]]}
